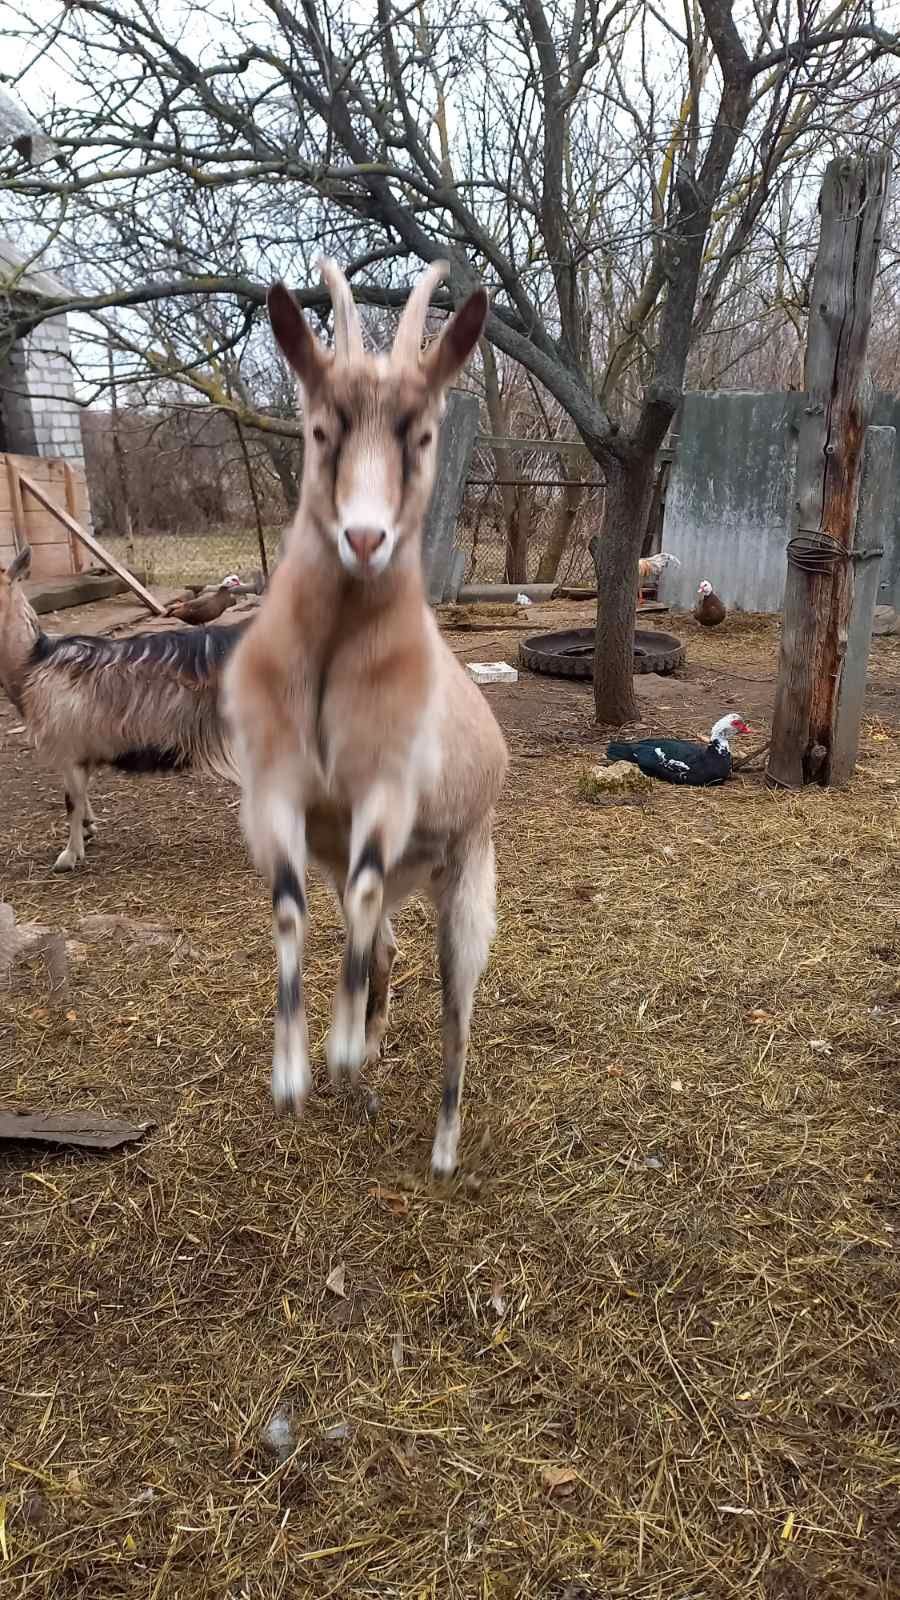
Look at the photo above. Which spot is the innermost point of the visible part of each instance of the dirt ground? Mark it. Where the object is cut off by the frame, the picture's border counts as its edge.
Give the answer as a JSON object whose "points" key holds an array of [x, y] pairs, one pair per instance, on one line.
{"points": [[647, 1346]]}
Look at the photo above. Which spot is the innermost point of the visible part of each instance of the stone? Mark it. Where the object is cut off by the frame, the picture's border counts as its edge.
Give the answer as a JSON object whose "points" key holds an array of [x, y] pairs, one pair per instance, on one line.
{"points": [[618, 781], [885, 621]]}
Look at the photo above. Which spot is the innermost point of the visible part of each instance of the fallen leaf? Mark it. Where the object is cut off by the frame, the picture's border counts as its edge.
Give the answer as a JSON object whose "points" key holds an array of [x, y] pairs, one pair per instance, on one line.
{"points": [[559, 1481], [820, 1046], [757, 1017], [392, 1200], [71, 1016], [787, 1531], [336, 1279], [677, 1086], [613, 1069], [498, 1299], [654, 1163], [397, 1351]]}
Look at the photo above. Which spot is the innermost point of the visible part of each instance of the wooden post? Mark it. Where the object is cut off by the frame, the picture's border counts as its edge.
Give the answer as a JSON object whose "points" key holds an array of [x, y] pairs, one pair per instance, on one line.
{"points": [[820, 578], [15, 499], [455, 445], [873, 519], [72, 508]]}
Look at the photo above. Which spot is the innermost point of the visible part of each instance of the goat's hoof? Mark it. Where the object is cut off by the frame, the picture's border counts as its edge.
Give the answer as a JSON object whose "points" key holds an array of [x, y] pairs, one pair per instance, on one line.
{"points": [[444, 1155], [290, 1088], [67, 861], [344, 1056]]}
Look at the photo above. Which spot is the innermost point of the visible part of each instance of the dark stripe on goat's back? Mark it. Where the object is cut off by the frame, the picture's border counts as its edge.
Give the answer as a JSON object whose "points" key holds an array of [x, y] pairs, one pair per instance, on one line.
{"points": [[197, 653]]}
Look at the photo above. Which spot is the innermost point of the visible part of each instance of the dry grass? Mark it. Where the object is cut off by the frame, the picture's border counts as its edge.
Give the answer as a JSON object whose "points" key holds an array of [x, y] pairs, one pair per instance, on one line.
{"points": [[654, 1355]]}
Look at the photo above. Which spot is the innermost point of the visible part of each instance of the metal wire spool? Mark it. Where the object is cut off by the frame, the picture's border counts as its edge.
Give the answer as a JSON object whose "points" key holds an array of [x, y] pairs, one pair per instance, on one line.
{"points": [[816, 552]]}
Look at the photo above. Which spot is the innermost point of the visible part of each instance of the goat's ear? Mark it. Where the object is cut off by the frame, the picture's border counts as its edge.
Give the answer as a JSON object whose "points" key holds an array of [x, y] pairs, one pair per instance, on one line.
{"points": [[300, 348], [21, 566], [461, 334]]}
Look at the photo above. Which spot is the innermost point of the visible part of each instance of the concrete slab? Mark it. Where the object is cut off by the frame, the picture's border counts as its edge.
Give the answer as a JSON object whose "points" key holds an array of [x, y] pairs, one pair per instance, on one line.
{"points": [[58, 594]]}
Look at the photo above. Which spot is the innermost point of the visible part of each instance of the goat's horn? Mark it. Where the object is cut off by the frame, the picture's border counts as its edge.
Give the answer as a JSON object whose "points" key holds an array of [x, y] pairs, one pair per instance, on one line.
{"points": [[412, 323], [348, 341]]}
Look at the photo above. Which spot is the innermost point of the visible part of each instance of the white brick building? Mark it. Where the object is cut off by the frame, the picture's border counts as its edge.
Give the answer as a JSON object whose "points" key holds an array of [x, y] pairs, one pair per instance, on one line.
{"points": [[38, 413]]}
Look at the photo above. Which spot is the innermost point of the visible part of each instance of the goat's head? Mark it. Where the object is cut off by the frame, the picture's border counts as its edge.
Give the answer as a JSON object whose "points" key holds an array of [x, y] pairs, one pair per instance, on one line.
{"points": [[371, 421], [18, 568]]}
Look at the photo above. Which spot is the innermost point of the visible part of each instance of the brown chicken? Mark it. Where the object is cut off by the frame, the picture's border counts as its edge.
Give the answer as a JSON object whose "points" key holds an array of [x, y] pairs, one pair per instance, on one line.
{"points": [[207, 607], [709, 610]]}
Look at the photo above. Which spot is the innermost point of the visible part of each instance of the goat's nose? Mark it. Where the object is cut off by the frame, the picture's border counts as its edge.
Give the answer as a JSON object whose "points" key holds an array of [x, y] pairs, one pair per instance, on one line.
{"points": [[364, 542]]}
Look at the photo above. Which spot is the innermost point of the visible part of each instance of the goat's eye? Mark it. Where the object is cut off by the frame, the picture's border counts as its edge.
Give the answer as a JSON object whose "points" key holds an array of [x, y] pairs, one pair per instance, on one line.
{"points": [[425, 441], [319, 435]]}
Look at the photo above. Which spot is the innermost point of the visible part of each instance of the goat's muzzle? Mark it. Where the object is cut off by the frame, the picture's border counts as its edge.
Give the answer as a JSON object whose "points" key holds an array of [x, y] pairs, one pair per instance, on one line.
{"points": [[364, 542]]}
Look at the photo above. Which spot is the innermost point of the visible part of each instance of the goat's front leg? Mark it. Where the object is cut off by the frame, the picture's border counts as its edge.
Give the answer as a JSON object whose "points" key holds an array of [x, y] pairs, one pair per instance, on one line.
{"points": [[466, 922], [276, 833], [291, 1076], [76, 781], [378, 835], [91, 825]]}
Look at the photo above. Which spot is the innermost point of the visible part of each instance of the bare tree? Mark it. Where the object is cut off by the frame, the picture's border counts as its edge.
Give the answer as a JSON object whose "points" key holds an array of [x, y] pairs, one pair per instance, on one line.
{"points": [[606, 170]]}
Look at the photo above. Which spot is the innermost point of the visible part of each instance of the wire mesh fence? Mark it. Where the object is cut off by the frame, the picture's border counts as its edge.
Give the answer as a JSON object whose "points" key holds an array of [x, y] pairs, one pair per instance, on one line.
{"points": [[169, 560], [527, 517], [528, 513]]}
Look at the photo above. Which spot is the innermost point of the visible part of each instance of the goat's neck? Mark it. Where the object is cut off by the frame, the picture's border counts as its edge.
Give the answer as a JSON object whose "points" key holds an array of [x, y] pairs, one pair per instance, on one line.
{"points": [[17, 640]]}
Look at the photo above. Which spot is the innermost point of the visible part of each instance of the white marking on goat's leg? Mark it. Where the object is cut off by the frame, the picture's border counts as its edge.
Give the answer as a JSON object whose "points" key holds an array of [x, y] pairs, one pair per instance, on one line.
{"points": [[276, 833], [76, 782], [384, 954], [291, 1077], [345, 1047], [465, 930]]}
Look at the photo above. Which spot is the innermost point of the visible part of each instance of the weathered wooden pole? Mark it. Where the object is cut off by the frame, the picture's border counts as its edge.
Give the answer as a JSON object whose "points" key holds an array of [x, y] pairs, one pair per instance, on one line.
{"points": [[874, 516], [820, 577]]}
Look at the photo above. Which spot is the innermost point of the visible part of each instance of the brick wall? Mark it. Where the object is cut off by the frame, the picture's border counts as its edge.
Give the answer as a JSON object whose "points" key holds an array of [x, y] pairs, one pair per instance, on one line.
{"points": [[36, 392]]}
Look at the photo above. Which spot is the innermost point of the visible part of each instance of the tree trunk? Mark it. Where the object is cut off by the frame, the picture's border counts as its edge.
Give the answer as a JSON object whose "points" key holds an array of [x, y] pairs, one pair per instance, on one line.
{"points": [[575, 464], [820, 577], [286, 458], [119, 458], [629, 490], [518, 533]]}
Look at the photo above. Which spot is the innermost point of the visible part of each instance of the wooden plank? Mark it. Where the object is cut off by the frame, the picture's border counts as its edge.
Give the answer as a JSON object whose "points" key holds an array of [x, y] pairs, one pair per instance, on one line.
{"points": [[819, 593], [52, 561], [15, 500], [71, 491], [94, 545], [42, 528], [39, 468]]}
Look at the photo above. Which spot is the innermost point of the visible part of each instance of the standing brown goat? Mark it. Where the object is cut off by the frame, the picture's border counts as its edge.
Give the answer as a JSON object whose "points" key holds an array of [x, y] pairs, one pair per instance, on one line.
{"points": [[360, 739]]}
